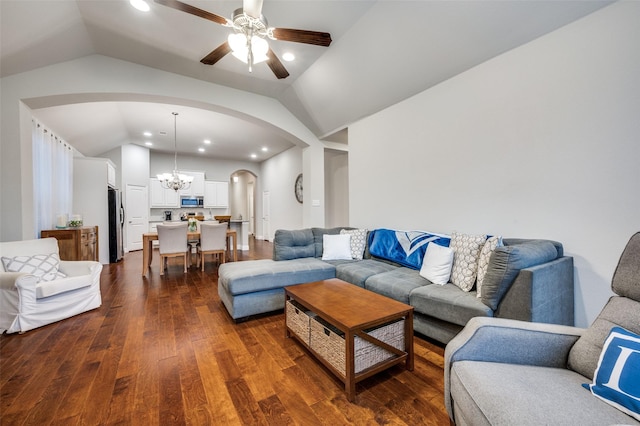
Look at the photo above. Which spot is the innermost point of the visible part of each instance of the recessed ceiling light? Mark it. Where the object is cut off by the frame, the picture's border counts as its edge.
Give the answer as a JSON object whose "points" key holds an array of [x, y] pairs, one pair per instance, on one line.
{"points": [[141, 5], [254, 156], [201, 149], [148, 143], [288, 56], [147, 134], [264, 149], [207, 141]]}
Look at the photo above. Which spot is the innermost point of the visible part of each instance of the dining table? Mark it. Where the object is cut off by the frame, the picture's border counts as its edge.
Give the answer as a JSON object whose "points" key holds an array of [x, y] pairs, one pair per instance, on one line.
{"points": [[149, 237]]}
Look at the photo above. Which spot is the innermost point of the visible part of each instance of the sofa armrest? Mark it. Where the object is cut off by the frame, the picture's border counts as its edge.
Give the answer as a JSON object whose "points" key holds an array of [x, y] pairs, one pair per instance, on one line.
{"points": [[541, 293], [509, 341], [8, 280]]}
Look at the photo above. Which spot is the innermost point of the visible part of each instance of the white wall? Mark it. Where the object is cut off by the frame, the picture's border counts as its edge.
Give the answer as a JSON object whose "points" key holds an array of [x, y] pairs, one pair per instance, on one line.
{"points": [[336, 188], [278, 177], [213, 168], [540, 142]]}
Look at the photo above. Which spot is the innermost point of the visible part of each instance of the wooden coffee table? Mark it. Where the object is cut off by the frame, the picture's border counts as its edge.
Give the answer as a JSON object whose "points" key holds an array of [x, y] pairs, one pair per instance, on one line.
{"points": [[351, 310]]}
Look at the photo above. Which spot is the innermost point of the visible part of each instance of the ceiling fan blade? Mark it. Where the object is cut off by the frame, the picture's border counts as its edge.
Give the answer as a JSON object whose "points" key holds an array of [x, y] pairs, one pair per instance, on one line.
{"points": [[178, 5], [302, 36], [276, 66], [252, 8], [217, 54]]}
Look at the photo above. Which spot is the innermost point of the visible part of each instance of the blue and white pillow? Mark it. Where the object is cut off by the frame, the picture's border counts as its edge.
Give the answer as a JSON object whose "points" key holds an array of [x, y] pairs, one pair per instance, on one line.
{"points": [[406, 248], [616, 380]]}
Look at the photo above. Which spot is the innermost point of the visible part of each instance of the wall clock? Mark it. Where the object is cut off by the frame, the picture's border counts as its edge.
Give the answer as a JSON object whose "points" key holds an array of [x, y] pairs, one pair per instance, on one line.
{"points": [[297, 188]]}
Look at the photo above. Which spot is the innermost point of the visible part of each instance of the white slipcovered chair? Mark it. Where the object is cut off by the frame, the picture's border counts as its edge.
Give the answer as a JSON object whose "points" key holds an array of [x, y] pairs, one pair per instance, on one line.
{"points": [[37, 288], [172, 242], [213, 240]]}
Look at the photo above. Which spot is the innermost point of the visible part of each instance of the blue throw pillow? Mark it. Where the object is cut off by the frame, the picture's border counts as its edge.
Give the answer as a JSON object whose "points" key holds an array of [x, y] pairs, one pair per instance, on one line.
{"points": [[617, 378]]}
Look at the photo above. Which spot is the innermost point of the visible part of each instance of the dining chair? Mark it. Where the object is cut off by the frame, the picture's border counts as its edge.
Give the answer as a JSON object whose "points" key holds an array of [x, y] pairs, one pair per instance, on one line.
{"points": [[213, 240], [172, 240], [193, 242]]}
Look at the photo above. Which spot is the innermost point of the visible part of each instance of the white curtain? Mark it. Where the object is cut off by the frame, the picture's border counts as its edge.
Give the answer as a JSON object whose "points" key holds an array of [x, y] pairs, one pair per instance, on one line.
{"points": [[52, 178]]}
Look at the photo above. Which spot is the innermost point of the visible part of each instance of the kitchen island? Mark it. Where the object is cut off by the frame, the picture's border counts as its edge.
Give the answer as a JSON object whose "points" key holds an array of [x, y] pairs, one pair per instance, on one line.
{"points": [[241, 227]]}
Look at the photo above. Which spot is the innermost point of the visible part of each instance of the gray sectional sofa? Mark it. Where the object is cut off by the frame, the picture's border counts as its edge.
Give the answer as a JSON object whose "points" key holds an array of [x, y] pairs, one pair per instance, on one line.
{"points": [[536, 285]]}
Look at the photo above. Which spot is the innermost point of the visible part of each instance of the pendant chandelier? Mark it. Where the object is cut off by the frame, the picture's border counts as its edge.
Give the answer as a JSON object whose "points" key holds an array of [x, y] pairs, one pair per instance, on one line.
{"points": [[175, 180]]}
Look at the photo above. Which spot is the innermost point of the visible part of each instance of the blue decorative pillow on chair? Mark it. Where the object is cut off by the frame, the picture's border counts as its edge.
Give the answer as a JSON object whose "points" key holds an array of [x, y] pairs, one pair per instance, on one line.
{"points": [[617, 377]]}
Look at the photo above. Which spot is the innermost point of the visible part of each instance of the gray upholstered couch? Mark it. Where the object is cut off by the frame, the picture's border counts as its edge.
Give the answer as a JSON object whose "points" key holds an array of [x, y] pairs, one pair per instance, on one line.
{"points": [[505, 372], [541, 292]]}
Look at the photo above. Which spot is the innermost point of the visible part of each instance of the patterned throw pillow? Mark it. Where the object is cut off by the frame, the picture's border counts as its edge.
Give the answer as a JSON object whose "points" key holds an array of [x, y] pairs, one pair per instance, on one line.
{"points": [[466, 251], [615, 380], [358, 241], [44, 266], [483, 261]]}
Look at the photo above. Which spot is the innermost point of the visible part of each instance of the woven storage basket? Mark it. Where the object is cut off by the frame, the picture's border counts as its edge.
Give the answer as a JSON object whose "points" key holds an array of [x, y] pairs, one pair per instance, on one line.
{"points": [[298, 320], [329, 343]]}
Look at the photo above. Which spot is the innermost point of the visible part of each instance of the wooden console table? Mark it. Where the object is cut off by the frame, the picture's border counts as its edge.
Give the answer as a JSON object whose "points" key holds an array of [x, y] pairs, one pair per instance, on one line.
{"points": [[75, 243]]}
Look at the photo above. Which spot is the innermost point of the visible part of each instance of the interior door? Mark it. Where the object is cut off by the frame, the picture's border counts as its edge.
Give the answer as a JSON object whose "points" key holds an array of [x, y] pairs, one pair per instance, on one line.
{"points": [[266, 209], [137, 221]]}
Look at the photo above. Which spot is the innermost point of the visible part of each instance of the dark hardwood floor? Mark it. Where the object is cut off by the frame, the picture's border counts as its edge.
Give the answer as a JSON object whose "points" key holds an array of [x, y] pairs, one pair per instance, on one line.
{"points": [[164, 351]]}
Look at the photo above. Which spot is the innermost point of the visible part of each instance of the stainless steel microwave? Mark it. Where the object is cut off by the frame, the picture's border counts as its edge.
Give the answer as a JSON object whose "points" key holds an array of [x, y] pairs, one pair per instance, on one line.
{"points": [[191, 202]]}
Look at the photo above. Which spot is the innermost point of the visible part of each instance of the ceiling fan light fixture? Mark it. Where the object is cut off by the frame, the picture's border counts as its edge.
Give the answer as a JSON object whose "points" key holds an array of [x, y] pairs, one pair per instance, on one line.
{"points": [[251, 45], [240, 48]]}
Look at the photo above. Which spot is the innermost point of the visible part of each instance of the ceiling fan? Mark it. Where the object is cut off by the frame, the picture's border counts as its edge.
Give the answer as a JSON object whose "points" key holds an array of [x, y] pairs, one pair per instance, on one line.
{"points": [[248, 41]]}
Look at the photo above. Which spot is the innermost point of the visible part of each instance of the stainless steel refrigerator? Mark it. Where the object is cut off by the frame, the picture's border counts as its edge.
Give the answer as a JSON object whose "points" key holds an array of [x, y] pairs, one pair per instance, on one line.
{"points": [[116, 224]]}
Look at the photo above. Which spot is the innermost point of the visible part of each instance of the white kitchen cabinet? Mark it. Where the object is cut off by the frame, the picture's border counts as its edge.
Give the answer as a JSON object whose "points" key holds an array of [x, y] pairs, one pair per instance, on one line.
{"points": [[160, 197], [216, 194], [197, 185]]}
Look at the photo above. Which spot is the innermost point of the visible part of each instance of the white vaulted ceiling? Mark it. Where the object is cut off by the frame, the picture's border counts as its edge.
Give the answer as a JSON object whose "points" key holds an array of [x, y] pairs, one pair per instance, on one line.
{"points": [[382, 52]]}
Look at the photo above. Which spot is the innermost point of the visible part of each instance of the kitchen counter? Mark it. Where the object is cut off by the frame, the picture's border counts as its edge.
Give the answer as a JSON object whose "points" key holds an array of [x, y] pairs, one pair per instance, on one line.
{"points": [[242, 229]]}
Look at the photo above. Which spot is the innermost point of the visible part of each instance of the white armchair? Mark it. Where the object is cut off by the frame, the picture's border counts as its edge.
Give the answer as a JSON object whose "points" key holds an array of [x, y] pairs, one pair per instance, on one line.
{"points": [[28, 302]]}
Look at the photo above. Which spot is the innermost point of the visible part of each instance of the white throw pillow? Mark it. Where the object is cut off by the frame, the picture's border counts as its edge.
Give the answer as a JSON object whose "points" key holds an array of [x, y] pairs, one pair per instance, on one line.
{"points": [[43, 266], [483, 261], [336, 247], [437, 263], [358, 241], [466, 251]]}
